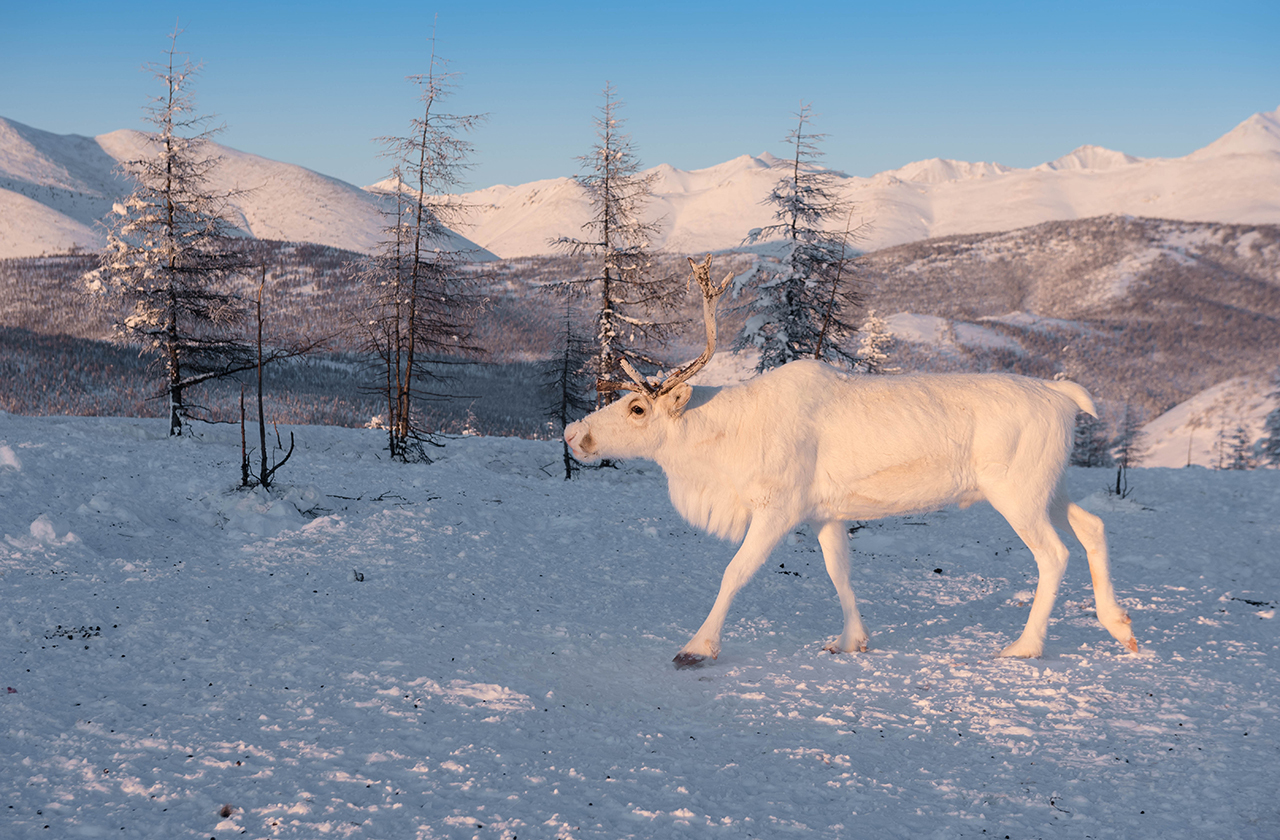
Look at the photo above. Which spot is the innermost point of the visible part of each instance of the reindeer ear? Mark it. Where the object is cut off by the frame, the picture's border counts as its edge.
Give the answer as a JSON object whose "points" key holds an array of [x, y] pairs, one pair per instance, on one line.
{"points": [[677, 398]]}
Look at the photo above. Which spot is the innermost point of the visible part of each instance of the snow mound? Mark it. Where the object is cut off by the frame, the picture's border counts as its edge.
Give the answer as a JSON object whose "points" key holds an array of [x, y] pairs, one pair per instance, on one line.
{"points": [[43, 533], [262, 513]]}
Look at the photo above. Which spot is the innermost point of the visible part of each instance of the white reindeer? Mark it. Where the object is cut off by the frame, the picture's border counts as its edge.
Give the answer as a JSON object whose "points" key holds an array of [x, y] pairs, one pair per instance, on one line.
{"points": [[804, 443]]}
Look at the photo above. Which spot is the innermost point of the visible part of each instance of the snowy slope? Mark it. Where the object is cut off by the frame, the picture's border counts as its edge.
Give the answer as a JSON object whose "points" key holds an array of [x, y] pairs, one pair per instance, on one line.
{"points": [[54, 189], [1189, 432], [1234, 179], [477, 648]]}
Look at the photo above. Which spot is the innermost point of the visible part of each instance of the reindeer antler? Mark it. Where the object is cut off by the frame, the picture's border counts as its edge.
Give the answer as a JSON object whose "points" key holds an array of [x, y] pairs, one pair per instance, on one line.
{"points": [[711, 294]]}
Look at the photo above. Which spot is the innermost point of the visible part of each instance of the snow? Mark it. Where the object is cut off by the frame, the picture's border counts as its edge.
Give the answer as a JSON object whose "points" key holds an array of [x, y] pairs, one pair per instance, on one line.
{"points": [[1259, 134], [1187, 433], [1031, 321], [946, 334], [1091, 157], [938, 170], [53, 188], [1115, 280], [1236, 179], [476, 648]]}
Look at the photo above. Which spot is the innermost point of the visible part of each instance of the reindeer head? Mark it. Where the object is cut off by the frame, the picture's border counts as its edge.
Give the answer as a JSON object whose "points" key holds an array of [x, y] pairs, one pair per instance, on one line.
{"points": [[636, 425]]}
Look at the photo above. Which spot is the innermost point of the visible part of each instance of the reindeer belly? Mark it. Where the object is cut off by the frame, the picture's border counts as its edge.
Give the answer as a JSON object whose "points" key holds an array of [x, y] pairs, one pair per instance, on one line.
{"points": [[914, 486]]}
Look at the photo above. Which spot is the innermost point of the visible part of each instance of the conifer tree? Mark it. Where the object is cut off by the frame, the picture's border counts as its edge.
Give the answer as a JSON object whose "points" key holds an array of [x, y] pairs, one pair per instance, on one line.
{"points": [[169, 251], [805, 298], [632, 296], [874, 341], [1128, 449], [421, 300], [1269, 445], [1239, 449], [566, 384], [1089, 445]]}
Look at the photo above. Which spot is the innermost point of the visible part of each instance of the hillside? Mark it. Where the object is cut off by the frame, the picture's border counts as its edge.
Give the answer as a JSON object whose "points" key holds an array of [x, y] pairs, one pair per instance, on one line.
{"points": [[1146, 313], [54, 188], [1236, 179]]}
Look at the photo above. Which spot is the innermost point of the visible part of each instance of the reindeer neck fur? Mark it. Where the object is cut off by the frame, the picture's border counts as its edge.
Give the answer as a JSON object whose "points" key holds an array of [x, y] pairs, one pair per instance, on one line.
{"points": [[720, 458]]}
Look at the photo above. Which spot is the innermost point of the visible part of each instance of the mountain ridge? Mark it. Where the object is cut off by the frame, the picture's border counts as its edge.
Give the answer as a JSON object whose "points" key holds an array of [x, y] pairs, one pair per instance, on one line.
{"points": [[55, 188]]}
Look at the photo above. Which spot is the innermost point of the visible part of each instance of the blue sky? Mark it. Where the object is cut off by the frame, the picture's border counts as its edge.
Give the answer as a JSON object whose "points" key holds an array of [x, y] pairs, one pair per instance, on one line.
{"points": [[314, 83]]}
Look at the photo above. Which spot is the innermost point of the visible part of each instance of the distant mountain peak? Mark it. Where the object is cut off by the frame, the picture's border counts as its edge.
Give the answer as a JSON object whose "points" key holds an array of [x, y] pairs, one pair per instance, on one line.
{"points": [[55, 188], [1259, 134], [1090, 157], [939, 170]]}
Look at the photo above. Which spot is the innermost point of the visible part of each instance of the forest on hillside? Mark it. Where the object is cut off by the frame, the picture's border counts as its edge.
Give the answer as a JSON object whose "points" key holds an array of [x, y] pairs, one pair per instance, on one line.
{"points": [[1142, 312]]}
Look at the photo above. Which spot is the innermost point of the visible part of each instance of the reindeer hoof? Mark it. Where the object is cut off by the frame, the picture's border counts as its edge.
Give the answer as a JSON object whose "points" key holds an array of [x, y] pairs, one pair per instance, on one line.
{"points": [[689, 660], [857, 647], [1132, 644], [1018, 650]]}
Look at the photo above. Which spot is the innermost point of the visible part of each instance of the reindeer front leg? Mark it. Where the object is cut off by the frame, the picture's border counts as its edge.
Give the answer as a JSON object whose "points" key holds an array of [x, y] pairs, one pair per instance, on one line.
{"points": [[762, 536], [835, 551]]}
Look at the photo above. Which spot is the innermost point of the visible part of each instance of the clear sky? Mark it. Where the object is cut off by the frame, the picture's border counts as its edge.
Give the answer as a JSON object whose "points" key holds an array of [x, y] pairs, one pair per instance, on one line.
{"points": [[702, 82]]}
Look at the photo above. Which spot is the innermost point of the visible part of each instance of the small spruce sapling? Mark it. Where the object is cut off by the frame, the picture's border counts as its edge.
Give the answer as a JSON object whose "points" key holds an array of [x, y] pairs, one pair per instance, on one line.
{"points": [[566, 384], [1090, 447], [1128, 449]]}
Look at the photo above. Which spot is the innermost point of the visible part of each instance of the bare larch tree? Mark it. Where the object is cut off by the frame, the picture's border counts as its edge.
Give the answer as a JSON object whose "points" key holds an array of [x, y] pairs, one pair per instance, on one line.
{"points": [[422, 301], [632, 295], [170, 253]]}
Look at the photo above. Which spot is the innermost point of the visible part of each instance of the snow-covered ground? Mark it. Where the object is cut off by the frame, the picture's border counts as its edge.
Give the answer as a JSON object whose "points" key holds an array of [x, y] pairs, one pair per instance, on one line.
{"points": [[477, 648]]}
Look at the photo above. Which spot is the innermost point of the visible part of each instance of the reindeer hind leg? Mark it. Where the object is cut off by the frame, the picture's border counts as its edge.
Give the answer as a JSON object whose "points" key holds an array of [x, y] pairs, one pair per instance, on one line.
{"points": [[1089, 531], [1032, 523]]}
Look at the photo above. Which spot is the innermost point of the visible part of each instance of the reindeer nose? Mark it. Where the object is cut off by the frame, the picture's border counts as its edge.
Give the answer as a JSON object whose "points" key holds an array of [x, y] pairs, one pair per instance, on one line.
{"points": [[571, 433], [576, 435]]}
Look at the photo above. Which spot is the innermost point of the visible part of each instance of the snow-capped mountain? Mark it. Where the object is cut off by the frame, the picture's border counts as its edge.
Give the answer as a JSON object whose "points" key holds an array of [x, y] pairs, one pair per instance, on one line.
{"points": [[1235, 179], [53, 189]]}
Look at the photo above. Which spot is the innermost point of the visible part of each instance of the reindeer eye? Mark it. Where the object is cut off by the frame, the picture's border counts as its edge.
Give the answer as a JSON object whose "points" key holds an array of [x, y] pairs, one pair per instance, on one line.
{"points": [[637, 410]]}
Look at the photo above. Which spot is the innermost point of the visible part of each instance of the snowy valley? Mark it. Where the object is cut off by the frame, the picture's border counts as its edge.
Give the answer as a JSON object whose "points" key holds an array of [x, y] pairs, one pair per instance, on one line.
{"points": [[1155, 315]]}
